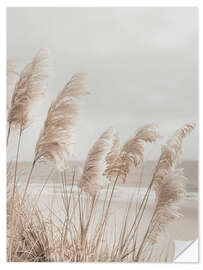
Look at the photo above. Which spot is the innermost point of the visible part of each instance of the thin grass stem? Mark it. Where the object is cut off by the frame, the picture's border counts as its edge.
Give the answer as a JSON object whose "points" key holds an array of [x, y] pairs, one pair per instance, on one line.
{"points": [[16, 163]]}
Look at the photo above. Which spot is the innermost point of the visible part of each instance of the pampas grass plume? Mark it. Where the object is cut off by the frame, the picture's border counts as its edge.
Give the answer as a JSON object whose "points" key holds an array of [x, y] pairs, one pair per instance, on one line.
{"points": [[55, 143], [169, 194], [132, 152], [169, 184], [29, 89], [170, 154], [99, 157]]}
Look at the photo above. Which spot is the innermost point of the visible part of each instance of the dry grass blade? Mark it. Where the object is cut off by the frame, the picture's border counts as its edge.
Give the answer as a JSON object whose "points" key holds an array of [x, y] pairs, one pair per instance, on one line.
{"points": [[27, 233], [56, 140]]}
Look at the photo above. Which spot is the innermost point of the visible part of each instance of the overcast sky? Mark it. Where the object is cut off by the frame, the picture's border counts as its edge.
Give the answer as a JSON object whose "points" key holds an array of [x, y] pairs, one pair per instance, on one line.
{"points": [[142, 66]]}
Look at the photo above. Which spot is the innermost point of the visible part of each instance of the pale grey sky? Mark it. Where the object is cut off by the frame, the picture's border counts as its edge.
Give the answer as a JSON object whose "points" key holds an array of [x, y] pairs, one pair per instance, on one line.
{"points": [[142, 66]]}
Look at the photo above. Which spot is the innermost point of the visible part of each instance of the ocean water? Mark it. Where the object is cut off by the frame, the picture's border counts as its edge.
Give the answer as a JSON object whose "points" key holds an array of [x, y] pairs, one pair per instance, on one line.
{"points": [[134, 188]]}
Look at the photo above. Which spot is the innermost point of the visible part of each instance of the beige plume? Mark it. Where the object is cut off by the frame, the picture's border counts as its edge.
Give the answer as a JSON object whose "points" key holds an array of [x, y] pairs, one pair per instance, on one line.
{"points": [[169, 194], [93, 179], [168, 183], [29, 89], [132, 152], [170, 154], [55, 142], [113, 154]]}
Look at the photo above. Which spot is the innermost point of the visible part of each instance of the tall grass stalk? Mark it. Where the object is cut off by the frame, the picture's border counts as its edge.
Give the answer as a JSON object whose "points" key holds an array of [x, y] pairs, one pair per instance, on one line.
{"points": [[16, 162]]}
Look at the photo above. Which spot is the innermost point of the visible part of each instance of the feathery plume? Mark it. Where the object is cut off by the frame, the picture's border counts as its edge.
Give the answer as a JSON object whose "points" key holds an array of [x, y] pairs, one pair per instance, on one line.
{"points": [[168, 183], [170, 154], [113, 154], [93, 179], [132, 152], [29, 89], [56, 139], [170, 193]]}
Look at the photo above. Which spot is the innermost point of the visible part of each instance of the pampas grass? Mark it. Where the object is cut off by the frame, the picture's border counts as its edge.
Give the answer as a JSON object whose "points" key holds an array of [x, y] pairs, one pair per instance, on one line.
{"points": [[27, 232], [132, 152], [83, 232], [29, 89], [101, 155], [170, 154], [55, 143], [74, 237], [169, 194], [168, 183], [84, 227], [56, 140]]}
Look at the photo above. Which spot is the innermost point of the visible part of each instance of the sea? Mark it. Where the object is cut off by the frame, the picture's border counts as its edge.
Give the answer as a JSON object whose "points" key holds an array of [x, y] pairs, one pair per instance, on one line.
{"points": [[136, 184]]}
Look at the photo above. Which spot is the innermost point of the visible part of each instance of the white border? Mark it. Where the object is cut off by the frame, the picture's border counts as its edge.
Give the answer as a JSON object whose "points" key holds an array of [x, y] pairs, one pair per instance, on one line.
{"points": [[65, 3]]}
